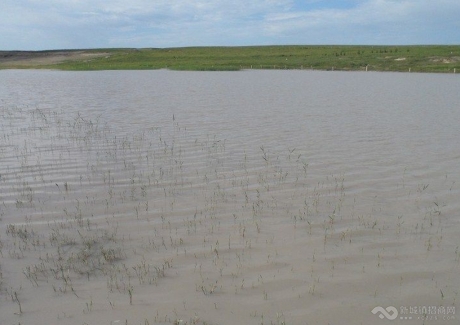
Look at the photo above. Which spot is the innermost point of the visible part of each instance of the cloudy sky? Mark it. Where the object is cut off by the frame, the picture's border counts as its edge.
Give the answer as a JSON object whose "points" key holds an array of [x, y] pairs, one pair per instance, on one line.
{"points": [[59, 24]]}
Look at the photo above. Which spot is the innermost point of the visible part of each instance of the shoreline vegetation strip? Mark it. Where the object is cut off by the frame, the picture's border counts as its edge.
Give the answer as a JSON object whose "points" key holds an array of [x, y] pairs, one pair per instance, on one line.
{"points": [[410, 58]]}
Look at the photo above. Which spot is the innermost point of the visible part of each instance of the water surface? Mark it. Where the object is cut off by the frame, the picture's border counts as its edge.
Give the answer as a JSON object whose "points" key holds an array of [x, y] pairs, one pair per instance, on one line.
{"points": [[359, 170]]}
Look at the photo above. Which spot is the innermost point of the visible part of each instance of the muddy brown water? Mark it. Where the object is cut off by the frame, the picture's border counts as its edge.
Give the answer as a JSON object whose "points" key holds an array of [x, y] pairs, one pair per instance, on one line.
{"points": [[251, 197]]}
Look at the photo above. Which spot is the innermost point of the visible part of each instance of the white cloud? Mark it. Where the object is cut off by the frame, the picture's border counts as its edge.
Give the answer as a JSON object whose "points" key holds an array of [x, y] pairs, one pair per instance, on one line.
{"points": [[370, 22], [33, 24]]}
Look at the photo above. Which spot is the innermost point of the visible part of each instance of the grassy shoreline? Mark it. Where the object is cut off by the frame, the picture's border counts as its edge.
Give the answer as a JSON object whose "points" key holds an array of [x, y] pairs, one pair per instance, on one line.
{"points": [[414, 58]]}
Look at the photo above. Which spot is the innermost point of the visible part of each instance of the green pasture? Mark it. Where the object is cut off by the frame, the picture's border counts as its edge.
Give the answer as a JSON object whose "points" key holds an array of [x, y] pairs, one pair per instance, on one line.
{"points": [[442, 58]]}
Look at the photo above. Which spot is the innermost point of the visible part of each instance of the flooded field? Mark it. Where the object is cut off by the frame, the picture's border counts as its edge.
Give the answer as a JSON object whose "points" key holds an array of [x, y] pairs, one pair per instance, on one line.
{"points": [[252, 197]]}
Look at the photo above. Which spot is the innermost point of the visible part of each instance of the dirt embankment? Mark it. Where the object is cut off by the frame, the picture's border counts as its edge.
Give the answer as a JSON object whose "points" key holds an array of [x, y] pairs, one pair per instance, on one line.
{"points": [[40, 58], [452, 59]]}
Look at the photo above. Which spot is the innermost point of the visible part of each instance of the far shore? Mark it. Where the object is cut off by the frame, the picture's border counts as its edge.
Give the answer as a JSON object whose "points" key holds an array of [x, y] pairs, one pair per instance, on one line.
{"points": [[433, 58], [44, 58]]}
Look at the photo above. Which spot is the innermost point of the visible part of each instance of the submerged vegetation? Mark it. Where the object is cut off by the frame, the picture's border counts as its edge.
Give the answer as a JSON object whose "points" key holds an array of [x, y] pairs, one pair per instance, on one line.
{"points": [[433, 58], [102, 222]]}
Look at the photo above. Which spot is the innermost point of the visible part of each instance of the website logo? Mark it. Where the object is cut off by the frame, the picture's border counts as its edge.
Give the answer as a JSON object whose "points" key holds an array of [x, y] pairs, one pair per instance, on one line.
{"points": [[390, 313]]}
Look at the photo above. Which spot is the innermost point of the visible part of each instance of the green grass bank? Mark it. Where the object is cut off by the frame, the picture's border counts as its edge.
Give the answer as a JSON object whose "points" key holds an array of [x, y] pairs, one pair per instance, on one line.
{"points": [[428, 58]]}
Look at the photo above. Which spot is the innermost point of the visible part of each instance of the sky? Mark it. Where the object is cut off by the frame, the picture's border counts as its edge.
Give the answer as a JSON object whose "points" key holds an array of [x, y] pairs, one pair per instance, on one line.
{"points": [[74, 24]]}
